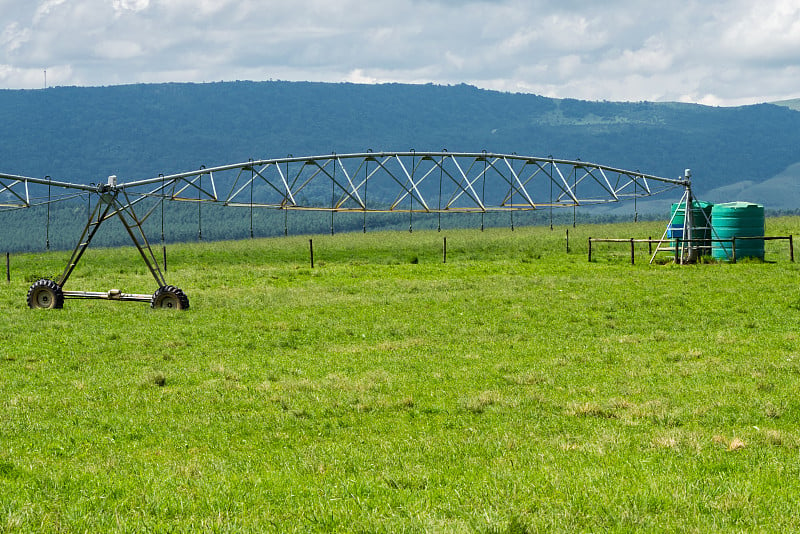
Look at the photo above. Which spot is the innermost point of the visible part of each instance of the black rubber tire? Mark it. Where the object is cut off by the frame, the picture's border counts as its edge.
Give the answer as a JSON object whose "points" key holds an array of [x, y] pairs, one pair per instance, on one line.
{"points": [[169, 297], [45, 294]]}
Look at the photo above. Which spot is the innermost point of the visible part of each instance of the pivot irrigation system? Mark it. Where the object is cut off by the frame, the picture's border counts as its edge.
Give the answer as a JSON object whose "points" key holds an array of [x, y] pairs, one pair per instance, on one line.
{"points": [[370, 182]]}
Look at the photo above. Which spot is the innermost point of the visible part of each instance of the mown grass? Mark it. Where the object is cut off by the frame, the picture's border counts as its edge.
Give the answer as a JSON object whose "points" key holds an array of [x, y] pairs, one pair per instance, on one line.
{"points": [[515, 388]]}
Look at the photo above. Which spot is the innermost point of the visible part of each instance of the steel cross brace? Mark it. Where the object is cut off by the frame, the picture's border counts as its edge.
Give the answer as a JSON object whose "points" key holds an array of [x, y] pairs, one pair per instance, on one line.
{"points": [[107, 208]]}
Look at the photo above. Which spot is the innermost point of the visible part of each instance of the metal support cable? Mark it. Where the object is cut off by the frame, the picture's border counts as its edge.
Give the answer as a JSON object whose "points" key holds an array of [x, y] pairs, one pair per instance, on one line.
{"points": [[483, 192], [441, 176], [162, 208], [551, 193], [413, 186], [200, 206], [333, 192], [366, 181], [511, 194], [286, 203], [252, 179], [47, 231], [575, 192]]}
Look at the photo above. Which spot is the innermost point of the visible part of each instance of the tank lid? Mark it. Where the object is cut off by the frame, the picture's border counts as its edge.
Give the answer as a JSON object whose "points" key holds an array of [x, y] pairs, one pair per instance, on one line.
{"points": [[738, 205]]}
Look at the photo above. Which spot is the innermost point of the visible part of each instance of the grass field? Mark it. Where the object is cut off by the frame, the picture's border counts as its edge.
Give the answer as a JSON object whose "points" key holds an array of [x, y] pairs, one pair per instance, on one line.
{"points": [[515, 388]]}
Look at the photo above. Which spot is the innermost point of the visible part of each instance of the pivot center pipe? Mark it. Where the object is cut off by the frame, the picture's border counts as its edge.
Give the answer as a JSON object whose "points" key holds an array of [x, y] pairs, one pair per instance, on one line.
{"points": [[692, 255]]}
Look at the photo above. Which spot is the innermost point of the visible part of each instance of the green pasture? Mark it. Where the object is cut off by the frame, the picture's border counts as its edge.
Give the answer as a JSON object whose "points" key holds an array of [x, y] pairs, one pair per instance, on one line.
{"points": [[515, 388]]}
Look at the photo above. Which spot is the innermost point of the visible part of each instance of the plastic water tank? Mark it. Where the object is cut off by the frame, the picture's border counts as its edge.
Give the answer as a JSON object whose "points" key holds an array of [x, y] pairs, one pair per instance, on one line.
{"points": [[738, 219]]}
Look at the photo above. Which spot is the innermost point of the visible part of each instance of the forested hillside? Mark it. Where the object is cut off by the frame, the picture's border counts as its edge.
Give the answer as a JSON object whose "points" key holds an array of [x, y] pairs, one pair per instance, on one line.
{"points": [[139, 131], [142, 130]]}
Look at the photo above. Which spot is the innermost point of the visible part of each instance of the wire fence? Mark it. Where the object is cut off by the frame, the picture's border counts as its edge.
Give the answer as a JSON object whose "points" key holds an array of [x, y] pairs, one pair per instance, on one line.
{"points": [[677, 245]]}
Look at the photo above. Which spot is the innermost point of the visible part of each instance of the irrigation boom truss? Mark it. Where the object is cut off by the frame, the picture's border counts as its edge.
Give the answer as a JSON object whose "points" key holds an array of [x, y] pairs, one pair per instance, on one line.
{"points": [[407, 182]]}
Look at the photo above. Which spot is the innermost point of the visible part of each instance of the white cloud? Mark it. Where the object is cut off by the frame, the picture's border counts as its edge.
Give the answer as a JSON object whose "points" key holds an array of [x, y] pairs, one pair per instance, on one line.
{"points": [[122, 6], [654, 56], [117, 49], [34, 77], [455, 60], [766, 35], [357, 76], [45, 8], [13, 37], [713, 51]]}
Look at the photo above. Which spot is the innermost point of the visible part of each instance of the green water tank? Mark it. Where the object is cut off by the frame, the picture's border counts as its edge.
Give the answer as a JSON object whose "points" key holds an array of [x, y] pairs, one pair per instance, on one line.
{"points": [[701, 228], [738, 219]]}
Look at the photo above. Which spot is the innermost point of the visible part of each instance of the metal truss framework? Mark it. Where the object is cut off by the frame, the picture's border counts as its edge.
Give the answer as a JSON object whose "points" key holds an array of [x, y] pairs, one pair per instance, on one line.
{"points": [[422, 182], [408, 182]]}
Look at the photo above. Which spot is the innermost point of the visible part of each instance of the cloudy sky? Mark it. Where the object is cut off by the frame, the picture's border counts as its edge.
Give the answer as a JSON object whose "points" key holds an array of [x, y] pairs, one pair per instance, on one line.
{"points": [[717, 52]]}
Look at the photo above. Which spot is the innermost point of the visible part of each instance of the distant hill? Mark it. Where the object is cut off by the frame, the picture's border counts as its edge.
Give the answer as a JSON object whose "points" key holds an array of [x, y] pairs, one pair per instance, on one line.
{"points": [[791, 104], [782, 191], [141, 130], [138, 131]]}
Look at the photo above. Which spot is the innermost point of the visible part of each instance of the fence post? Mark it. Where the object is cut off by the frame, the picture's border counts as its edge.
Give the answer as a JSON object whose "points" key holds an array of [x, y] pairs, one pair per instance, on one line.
{"points": [[567, 240], [791, 248], [734, 248], [632, 252], [311, 251], [590, 250], [164, 251], [650, 244], [444, 250], [8, 267], [677, 248]]}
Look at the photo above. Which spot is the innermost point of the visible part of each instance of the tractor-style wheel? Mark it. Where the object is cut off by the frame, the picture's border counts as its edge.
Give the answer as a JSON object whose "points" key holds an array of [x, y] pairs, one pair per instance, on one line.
{"points": [[46, 294], [169, 297]]}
